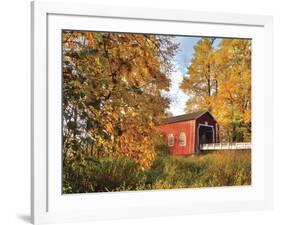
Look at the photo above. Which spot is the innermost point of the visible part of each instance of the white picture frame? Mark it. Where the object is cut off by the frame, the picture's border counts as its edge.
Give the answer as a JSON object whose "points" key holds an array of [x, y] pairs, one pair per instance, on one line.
{"points": [[48, 205]]}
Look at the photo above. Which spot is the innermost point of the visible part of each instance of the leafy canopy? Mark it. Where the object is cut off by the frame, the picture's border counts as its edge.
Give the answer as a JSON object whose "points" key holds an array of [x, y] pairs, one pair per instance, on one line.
{"points": [[219, 80], [112, 85]]}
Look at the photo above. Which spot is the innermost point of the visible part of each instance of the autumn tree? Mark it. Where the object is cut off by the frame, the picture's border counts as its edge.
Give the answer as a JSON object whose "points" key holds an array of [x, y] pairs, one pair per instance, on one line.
{"points": [[201, 83], [219, 80], [234, 102], [112, 85]]}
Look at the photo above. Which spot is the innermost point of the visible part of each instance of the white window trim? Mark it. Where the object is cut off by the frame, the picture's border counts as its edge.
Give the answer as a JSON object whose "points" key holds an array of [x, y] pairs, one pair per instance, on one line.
{"points": [[180, 137], [173, 138]]}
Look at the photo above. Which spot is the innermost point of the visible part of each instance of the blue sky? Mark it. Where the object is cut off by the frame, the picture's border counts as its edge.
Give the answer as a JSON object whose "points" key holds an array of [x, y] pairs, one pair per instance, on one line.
{"points": [[182, 60]]}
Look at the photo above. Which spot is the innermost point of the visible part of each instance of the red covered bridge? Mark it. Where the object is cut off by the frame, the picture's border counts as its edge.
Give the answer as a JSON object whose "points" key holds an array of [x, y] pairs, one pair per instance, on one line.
{"points": [[185, 133]]}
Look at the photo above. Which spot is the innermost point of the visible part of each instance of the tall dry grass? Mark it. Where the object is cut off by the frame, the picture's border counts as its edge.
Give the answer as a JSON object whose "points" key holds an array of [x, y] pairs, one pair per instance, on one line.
{"points": [[214, 169]]}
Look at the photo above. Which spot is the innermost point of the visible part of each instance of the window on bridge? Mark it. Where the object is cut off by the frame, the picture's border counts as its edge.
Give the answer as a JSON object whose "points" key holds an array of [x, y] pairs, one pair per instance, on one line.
{"points": [[182, 139], [170, 140]]}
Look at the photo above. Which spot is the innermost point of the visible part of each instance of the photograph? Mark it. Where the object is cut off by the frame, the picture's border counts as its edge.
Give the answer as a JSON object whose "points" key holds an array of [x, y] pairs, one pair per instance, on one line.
{"points": [[144, 111]]}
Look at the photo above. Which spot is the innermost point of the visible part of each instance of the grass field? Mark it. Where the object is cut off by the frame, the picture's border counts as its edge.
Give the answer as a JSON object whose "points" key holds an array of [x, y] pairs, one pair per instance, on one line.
{"points": [[227, 168]]}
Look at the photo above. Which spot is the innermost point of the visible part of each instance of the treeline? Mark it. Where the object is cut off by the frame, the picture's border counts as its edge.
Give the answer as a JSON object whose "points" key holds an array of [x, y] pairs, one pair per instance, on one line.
{"points": [[219, 80]]}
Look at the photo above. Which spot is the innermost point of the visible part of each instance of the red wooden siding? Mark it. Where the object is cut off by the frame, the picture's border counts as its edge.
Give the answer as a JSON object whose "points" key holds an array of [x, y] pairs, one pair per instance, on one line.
{"points": [[188, 127]]}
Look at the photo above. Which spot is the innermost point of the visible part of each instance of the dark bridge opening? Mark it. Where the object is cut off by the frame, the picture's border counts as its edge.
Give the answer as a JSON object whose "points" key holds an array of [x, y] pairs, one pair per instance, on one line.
{"points": [[206, 135]]}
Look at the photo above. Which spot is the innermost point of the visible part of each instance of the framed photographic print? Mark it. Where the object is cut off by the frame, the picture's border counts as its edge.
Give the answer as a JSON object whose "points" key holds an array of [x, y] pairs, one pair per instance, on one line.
{"points": [[149, 112]]}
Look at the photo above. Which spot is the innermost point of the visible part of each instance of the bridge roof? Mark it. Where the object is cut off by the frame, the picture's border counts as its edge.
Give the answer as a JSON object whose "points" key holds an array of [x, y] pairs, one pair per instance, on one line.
{"points": [[186, 117]]}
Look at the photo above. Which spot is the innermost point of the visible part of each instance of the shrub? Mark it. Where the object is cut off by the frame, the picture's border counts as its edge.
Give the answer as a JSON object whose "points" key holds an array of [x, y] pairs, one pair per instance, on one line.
{"points": [[118, 174], [162, 150], [108, 174]]}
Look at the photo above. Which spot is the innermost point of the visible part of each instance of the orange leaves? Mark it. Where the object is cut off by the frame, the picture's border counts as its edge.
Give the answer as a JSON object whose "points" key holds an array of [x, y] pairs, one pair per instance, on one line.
{"points": [[121, 76]]}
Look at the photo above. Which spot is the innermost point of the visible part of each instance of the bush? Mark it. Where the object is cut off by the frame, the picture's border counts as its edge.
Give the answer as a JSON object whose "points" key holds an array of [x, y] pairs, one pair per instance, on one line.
{"points": [[162, 150], [108, 174], [118, 174]]}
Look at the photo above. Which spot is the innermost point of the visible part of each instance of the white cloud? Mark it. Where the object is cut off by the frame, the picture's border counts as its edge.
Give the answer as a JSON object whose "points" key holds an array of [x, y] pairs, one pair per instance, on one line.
{"points": [[177, 96]]}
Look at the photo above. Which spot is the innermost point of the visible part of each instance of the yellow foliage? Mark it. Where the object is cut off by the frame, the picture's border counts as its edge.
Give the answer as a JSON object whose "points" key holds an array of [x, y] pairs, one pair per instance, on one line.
{"points": [[114, 82], [219, 80]]}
